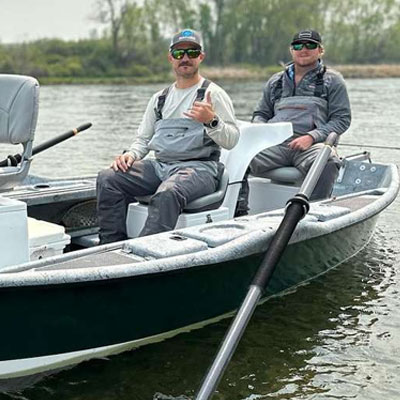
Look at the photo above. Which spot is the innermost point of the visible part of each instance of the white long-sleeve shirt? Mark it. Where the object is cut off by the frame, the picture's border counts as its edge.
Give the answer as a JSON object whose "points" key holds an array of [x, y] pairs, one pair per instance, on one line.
{"points": [[179, 101]]}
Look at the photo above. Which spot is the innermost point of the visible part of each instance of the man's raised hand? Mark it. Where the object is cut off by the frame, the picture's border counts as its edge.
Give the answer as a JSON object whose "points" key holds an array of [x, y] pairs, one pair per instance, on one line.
{"points": [[202, 111]]}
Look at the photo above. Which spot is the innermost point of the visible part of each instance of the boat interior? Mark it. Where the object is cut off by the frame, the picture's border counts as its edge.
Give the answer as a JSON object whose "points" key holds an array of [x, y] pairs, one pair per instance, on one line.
{"points": [[42, 217]]}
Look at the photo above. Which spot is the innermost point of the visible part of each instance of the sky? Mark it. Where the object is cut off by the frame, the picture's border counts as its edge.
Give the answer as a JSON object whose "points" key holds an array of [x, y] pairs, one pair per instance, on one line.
{"points": [[26, 20]]}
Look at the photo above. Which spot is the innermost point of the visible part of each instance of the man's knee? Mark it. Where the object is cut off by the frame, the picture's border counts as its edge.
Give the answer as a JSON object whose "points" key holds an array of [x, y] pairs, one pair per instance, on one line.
{"points": [[105, 177]]}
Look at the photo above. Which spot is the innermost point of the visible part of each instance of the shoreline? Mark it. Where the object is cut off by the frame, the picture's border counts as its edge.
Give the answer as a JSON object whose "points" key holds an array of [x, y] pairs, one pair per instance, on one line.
{"points": [[231, 73]]}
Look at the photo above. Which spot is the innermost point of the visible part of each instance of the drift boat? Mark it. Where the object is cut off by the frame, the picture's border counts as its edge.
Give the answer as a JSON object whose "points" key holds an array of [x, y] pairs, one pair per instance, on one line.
{"points": [[60, 308]]}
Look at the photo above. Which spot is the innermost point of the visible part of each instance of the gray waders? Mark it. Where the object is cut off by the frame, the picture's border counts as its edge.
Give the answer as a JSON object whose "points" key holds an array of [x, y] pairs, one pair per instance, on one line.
{"points": [[186, 168]]}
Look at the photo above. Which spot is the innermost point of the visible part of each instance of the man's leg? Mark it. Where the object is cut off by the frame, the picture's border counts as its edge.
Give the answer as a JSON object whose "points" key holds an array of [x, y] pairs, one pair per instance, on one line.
{"points": [[271, 158], [115, 190], [173, 194], [303, 161]]}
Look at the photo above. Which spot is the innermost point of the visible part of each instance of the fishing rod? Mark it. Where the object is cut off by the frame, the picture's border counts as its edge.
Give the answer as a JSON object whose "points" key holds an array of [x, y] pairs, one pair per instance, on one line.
{"points": [[14, 160], [370, 146]]}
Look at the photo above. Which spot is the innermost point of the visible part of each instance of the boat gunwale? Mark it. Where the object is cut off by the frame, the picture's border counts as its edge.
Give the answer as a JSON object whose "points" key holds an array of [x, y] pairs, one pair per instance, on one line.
{"points": [[253, 242]]}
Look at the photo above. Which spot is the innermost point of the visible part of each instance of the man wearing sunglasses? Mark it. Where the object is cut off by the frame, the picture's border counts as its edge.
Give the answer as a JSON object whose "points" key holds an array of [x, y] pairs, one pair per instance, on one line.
{"points": [[315, 100], [186, 124]]}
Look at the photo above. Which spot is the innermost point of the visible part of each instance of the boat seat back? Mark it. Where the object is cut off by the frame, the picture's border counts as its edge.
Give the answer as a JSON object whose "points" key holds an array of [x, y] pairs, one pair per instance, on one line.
{"points": [[253, 139], [19, 106], [208, 202]]}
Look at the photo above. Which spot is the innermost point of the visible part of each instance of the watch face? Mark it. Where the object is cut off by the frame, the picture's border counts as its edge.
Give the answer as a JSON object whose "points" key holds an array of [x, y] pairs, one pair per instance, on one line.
{"points": [[214, 122]]}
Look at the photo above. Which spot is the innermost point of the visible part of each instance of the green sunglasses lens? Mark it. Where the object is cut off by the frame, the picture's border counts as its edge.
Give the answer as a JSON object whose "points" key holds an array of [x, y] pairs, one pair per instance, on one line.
{"points": [[311, 46], [180, 53], [193, 53], [308, 45]]}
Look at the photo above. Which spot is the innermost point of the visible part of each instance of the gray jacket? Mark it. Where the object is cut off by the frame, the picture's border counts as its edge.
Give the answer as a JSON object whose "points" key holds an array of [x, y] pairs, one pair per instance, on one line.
{"points": [[315, 116]]}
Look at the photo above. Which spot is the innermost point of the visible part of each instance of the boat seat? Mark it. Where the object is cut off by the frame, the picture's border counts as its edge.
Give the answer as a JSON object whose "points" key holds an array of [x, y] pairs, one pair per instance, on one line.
{"points": [[208, 202], [285, 175], [19, 106]]}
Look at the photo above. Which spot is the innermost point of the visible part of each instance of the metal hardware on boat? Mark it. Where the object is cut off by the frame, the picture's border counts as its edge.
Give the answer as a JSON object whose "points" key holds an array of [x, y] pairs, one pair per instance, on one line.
{"points": [[208, 219], [357, 181], [41, 186], [362, 167], [178, 237], [373, 169]]}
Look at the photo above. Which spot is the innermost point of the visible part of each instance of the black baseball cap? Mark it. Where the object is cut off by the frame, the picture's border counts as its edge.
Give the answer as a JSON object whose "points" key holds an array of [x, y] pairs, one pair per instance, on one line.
{"points": [[307, 36], [187, 35]]}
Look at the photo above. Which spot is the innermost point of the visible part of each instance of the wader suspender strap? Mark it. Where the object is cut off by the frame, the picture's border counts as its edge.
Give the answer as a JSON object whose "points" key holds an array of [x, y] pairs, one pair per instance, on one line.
{"points": [[161, 100], [319, 85], [160, 103], [201, 91]]}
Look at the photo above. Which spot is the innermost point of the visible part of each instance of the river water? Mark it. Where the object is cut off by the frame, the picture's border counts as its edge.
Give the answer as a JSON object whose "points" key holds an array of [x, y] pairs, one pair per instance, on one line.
{"points": [[336, 338]]}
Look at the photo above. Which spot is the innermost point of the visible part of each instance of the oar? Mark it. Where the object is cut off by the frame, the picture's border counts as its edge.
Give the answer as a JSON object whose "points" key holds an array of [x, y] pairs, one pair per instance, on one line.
{"points": [[296, 209], [15, 159]]}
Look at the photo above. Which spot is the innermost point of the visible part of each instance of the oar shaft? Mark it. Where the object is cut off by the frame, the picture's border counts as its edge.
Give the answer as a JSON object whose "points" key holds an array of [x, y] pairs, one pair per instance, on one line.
{"points": [[230, 343], [296, 209], [246, 311]]}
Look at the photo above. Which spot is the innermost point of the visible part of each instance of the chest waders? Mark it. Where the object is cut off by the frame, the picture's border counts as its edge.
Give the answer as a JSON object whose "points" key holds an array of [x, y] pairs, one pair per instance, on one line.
{"points": [[182, 139], [305, 112]]}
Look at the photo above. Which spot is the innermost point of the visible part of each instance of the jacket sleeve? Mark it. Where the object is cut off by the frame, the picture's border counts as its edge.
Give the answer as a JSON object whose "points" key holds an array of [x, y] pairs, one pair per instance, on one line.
{"points": [[145, 132], [227, 133], [339, 113], [265, 108]]}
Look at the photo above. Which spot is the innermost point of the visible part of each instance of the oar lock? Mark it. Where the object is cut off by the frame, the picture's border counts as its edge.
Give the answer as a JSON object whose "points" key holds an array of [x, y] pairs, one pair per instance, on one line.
{"points": [[302, 200]]}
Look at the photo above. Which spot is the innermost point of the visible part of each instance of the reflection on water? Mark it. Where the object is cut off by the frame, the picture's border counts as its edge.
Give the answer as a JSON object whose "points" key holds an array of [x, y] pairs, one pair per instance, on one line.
{"points": [[335, 338]]}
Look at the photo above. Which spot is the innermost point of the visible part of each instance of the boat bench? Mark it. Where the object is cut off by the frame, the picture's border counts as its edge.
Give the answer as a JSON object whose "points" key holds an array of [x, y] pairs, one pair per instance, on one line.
{"points": [[285, 175]]}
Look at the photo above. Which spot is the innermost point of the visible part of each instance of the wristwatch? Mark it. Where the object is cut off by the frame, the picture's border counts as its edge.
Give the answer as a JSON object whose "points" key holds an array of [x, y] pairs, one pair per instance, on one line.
{"points": [[213, 123]]}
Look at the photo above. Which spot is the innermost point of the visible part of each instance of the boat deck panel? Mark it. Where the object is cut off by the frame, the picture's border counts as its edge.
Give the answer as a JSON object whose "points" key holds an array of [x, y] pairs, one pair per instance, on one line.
{"points": [[103, 259], [355, 203]]}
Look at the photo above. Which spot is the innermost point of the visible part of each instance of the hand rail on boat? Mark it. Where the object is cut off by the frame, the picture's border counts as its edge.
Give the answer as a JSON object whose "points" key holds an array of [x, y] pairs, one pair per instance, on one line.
{"points": [[62, 257]]}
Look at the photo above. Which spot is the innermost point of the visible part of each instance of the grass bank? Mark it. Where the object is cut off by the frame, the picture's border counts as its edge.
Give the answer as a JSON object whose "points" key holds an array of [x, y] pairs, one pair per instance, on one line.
{"points": [[232, 73]]}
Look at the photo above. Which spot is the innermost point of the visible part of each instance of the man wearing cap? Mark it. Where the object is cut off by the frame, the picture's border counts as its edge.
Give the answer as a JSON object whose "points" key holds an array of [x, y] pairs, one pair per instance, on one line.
{"points": [[314, 99], [185, 125]]}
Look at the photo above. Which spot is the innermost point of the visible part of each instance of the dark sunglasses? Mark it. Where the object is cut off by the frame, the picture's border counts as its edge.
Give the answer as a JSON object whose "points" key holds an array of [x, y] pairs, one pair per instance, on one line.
{"points": [[178, 54], [308, 45]]}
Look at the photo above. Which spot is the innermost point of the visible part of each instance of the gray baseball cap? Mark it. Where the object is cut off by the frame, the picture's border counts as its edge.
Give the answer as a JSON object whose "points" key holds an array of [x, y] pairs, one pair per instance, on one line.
{"points": [[187, 36]]}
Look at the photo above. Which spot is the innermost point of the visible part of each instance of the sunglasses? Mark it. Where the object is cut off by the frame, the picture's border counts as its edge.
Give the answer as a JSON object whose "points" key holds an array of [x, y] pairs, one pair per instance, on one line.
{"points": [[178, 54], [307, 45]]}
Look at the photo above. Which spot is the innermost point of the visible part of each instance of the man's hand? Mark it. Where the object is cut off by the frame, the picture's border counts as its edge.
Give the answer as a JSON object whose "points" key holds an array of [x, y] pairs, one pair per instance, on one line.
{"points": [[301, 143], [122, 162], [202, 111]]}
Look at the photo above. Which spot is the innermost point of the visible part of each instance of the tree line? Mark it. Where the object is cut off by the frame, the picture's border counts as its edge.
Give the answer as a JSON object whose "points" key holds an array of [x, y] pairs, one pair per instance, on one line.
{"points": [[134, 35]]}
